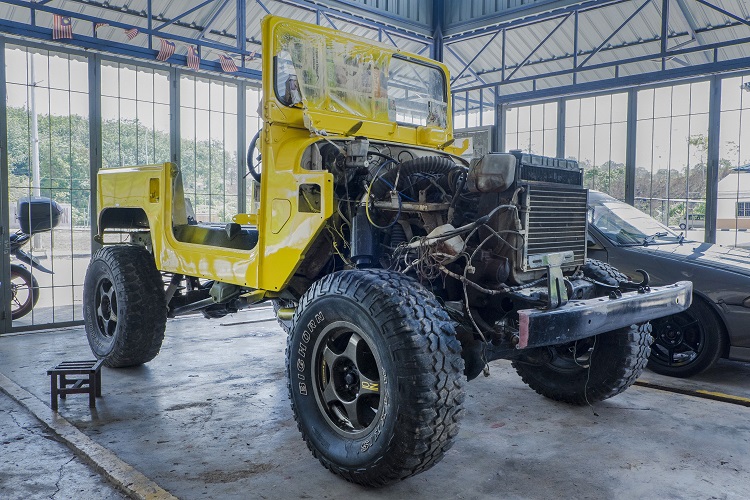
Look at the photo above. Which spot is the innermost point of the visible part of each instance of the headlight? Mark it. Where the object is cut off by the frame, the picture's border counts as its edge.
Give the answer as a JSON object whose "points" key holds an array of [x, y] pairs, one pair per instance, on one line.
{"points": [[746, 302]]}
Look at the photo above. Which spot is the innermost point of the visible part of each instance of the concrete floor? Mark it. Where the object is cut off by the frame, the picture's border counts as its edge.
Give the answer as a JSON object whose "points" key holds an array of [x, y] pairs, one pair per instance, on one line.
{"points": [[210, 418]]}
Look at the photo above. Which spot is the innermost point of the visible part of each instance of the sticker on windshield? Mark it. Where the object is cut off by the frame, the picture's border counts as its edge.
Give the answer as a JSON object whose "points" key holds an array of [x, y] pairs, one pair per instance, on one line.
{"points": [[437, 114]]}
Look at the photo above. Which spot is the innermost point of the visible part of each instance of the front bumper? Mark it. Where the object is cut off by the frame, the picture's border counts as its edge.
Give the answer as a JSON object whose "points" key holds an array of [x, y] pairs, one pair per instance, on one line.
{"points": [[580, 319]]}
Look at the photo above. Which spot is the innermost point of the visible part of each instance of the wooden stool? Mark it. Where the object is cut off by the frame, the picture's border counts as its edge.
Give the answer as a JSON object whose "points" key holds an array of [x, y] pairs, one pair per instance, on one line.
{"points": [[87, 379]]}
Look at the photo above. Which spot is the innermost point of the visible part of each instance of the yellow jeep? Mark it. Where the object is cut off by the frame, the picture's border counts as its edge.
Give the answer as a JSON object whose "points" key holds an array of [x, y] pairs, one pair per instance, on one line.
{"points": [[397, 268]]}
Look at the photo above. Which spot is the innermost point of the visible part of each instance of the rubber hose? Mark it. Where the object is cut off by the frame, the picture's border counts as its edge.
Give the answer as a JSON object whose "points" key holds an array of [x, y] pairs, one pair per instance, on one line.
{"points": [[422, 165]]}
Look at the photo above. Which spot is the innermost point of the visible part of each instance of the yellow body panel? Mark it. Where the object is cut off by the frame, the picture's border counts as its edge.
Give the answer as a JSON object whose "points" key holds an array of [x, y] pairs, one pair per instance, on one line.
{"points": [[285, 233]]}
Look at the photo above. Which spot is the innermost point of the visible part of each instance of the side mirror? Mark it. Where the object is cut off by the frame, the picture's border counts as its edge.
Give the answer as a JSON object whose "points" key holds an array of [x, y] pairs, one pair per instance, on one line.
{"points": [[593, 245]]}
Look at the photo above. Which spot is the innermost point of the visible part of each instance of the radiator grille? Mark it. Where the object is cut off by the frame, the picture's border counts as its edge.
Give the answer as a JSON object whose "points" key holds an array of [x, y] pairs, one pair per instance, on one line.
{"points": [[556, 221]]}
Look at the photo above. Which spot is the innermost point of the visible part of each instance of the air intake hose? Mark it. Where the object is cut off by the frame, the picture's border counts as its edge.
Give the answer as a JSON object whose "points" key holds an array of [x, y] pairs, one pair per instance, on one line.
{"points": [[422, 165]]}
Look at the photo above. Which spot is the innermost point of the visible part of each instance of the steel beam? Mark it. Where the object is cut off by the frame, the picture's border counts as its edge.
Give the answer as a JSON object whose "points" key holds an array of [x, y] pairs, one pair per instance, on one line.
{"points": [[186, 13], [452, 36], [217, 12], [724, 11], [714, 67], [462, 61], [617, 30], [539, 45], [475, 57], [438, 10], [114, 48]]}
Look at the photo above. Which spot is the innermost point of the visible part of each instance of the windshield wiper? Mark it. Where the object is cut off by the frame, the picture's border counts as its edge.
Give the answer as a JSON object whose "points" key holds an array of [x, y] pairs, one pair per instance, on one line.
{"points": [[651, 238]]}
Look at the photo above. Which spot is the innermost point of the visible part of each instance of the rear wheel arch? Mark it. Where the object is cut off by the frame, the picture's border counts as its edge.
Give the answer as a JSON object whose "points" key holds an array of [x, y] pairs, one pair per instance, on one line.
{"points": [[123, 218]]}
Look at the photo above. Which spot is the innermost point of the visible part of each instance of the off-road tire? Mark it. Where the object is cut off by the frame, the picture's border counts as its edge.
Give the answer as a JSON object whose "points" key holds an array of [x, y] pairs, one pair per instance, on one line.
{"points": [[697, 329], [617, 360], [420, 394], [127, 275], [603, 272], [17, 271]]}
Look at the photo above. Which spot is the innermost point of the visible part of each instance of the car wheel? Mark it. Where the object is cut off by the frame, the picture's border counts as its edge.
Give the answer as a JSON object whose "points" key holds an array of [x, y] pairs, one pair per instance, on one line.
{"points": [[688, 343]]}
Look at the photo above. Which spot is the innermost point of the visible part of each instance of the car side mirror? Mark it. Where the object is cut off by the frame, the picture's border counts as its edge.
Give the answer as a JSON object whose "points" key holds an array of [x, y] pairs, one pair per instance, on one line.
{"points": [[593, 245]]}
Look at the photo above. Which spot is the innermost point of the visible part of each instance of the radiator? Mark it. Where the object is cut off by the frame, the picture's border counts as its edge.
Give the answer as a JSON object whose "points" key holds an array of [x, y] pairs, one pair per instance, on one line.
{"points": [[555, 221]]}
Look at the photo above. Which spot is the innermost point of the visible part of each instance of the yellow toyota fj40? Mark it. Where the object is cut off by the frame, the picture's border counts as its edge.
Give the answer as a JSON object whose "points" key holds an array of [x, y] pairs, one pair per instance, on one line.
{"points": [[397, 268]]}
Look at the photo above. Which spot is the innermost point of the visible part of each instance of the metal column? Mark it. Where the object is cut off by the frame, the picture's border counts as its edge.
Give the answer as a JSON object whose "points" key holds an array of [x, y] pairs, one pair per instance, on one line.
{"points": [[560, 153], [241, 147], [174, 116], [630, 143], [5, 296], [95, 142], [712, 171]]}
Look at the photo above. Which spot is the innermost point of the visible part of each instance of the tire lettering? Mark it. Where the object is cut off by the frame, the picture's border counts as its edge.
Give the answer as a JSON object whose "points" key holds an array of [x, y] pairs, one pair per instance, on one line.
{"points": [[302, 351], [365, 446]]}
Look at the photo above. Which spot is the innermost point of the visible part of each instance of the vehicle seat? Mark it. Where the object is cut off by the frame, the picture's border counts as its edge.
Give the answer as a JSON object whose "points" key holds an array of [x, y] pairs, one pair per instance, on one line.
{"points": [[187, 230]]}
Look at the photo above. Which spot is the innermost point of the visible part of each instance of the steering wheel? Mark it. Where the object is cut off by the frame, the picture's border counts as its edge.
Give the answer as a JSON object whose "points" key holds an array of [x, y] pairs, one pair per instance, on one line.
{"points": [[253, 159]]}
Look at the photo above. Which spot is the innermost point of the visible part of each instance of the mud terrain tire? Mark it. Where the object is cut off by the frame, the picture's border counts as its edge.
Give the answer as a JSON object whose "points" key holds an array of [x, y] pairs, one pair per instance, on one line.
{"points": [[124, 306], [603, 272], [593, 369], [374, 376]]}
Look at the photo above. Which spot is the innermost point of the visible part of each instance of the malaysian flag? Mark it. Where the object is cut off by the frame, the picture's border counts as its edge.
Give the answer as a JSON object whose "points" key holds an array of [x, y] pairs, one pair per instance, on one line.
{"points": [[100, 25], [227, 63], [131, 33], [166, 51], [193, 60], [62, 27]]}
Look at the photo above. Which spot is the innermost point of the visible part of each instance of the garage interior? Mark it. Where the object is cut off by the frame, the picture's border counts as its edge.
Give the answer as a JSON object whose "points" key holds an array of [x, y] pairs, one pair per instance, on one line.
{"points": [[650, 97]]}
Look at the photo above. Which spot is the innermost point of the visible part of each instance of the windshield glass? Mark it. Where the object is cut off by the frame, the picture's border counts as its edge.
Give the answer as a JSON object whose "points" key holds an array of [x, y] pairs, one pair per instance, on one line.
{"points": [[416, 94], [626, 225], [337, 74]]}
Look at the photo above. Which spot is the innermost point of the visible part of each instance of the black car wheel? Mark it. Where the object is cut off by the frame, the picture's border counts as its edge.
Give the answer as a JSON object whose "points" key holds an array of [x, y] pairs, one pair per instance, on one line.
{"points": [[688, 343]]}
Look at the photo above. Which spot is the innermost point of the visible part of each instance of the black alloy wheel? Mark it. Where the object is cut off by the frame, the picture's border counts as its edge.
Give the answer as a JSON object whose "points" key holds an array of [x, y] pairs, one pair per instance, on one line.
{"points": [[106, 308], [687, 343], [348, 375]]}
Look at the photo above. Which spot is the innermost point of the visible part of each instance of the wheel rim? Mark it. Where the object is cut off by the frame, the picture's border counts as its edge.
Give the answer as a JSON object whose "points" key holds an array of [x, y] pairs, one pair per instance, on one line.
{"points": [[571, 357], [347, 374], [678, 340], [21, 293], [106, 307]]}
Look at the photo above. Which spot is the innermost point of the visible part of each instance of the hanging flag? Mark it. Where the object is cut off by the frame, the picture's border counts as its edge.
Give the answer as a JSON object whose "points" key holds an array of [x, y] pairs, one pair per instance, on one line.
{"points": [[166, 51], [100, 25], [131, 33], [62, 27], [227, 63], [193, 61]]}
